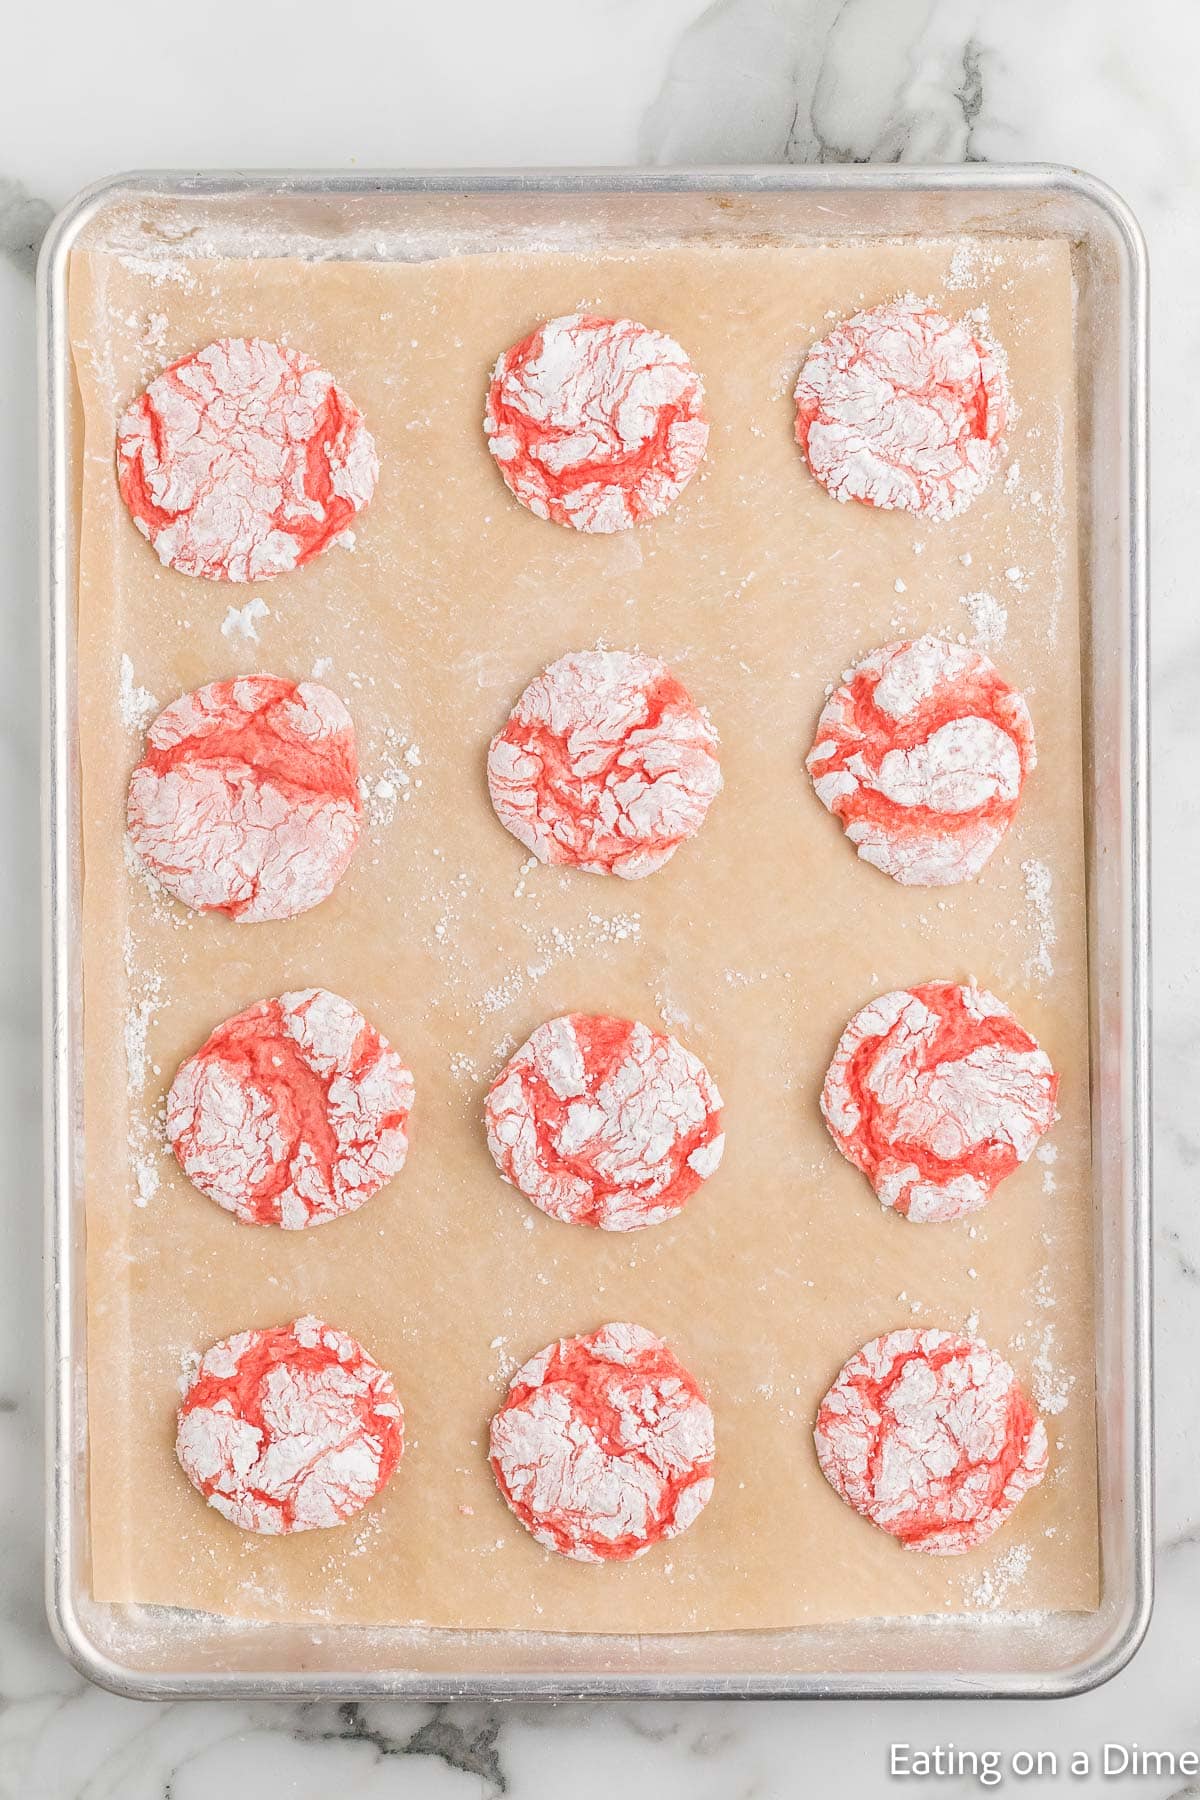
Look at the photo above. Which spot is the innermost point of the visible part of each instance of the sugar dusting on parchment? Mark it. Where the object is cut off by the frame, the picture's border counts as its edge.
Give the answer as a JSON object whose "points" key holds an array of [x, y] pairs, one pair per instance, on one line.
{"points": [[989, 1589], [136, 705], [989, 619], [598, 931], [146, 998], [394, 777], [972, 262], [1039, 890], [1051, 1384], [471, 1065]]}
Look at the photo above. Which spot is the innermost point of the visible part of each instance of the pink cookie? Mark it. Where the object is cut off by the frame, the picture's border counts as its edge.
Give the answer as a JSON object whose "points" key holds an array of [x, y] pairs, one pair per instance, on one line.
{"points": [[604, 1445], [604, 1122], [937, 1094], [596, 423], [243, 460], [246, 801], [291, 1428], [922, 753], [902, 407], [293, 1112], [606, 764], [931, 1437]]}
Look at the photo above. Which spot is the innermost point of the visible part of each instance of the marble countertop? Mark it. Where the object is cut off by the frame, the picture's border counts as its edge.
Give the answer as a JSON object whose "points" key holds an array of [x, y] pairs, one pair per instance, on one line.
{"points": [[88, 90]]}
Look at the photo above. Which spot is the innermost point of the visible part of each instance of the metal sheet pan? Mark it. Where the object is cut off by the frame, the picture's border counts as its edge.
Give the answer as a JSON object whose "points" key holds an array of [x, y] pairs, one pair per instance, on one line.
{"points": [[160, 1653]]}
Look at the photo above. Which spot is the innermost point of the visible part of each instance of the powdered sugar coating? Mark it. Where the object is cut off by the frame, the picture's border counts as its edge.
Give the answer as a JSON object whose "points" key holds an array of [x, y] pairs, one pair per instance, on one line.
{"points": [[936, 1094], [596, 423], [902, 407], [604, 1122], [922, 753], [604, 1445], [246, 801], [606, 764], [931, 1437], [293, 1112], [291, 1428], [243, 460]]}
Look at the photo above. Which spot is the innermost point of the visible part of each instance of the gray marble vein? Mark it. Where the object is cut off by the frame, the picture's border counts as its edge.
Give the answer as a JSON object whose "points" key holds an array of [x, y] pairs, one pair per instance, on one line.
{"points": [[383, 1741], [465, 1740], [821, 81], [23, 224]]}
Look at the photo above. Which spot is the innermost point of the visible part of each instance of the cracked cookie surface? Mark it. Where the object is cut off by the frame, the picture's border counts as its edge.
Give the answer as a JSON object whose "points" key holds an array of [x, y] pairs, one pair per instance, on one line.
{"points": [[901, 407], [937, 1094], [596, 423], [246, 800], [243, 460], [931, 1437], [603, 1122], [922, 752], [290, 1428], [293, 1112], [606, 764], [604, 1445]]}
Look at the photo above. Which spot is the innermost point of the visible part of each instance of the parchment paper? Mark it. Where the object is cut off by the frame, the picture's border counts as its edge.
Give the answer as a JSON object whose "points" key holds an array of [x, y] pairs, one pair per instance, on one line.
{"points": [[755, 944]]}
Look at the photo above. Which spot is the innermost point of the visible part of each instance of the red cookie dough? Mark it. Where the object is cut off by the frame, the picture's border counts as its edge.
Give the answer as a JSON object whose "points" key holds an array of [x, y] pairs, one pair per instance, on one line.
{"points": [[243, 460], [292, 1428], [902, 407], [247, 801], [931, 1437], [604, 1122], [922, 753], [936, 1094], [604, 1445], [606, 764], [294, 1111], [596, 423]]}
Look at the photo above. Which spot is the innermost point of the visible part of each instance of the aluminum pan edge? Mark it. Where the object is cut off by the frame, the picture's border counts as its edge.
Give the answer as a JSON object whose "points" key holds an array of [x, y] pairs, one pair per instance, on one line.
{"points": [[66, 1403]]}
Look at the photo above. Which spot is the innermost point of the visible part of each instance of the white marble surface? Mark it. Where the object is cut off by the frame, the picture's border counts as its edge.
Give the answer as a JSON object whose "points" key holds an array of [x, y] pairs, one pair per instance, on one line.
{"points": [[87, 89]]}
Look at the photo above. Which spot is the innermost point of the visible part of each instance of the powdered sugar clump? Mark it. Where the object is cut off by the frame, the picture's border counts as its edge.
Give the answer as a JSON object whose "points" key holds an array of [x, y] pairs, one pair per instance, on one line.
{"points": [[990, 1589], [146, 998], [242, 621], [1051, 1383], [395, 759], [989, 619], [1039, 889], [136, 705]]}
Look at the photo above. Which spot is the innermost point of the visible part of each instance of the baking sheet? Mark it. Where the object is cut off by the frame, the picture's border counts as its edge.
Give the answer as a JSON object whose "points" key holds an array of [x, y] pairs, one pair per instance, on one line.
{"points": [[755, 944]]}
